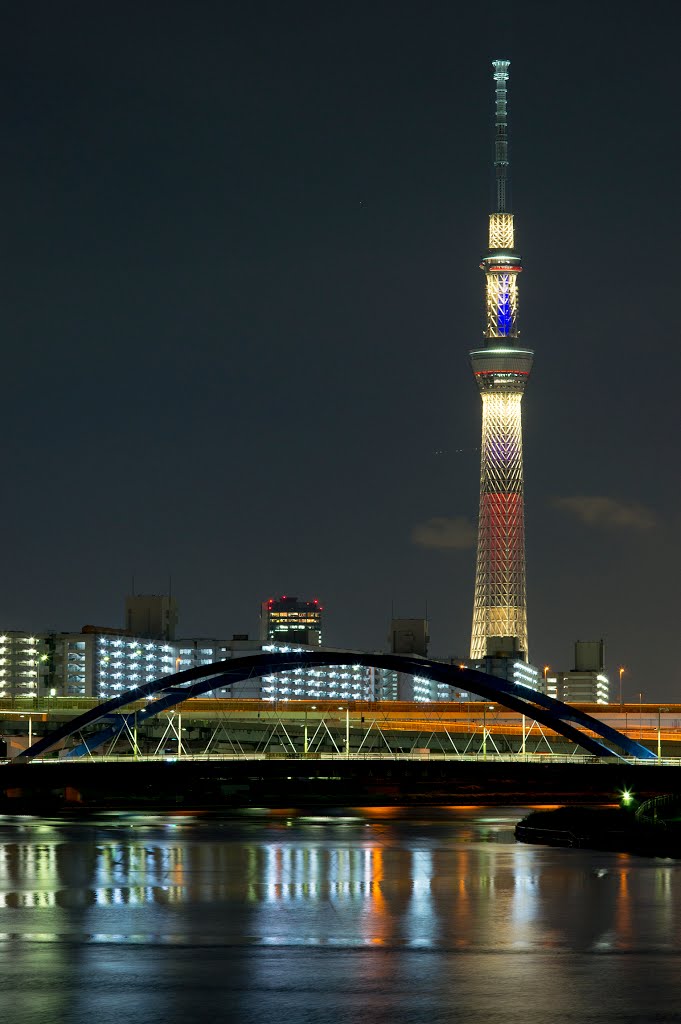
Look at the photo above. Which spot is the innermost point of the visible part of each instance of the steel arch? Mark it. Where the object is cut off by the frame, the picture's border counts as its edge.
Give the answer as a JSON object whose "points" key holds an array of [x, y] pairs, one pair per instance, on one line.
{"points": [[560, 717]]}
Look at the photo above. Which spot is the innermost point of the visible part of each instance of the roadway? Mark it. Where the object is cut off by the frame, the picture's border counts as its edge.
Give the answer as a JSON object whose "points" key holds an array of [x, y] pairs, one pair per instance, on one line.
{"points": [[651, 723]]}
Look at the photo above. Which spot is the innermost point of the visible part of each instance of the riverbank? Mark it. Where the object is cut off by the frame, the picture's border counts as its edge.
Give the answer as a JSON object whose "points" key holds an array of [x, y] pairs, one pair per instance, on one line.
{"points": [[215, 785], [614, 829]]}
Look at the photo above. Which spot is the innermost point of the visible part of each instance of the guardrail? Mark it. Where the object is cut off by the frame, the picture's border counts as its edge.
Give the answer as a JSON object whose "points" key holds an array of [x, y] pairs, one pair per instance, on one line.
{"points": [[505, 758], [648, 811]]}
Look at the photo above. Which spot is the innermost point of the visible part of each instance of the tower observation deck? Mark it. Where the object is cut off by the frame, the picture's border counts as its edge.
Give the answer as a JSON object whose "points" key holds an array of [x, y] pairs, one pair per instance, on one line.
{"points": [[501, 367]]}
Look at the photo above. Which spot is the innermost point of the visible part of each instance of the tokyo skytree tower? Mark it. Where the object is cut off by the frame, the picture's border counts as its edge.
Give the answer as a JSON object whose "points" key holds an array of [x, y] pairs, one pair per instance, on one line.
{"points": [[501, 368]]}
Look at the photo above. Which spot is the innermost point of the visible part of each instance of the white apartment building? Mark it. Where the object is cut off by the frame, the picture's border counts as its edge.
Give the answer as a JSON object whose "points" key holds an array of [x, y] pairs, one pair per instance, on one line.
{"points": [[21, 661]]}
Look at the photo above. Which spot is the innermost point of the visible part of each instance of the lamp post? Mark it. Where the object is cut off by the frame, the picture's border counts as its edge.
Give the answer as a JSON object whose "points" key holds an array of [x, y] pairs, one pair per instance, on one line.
{"points": [[484, 729], [640, 714], [546, 668], [347, 730], [38, 662], [659, 737], [621, 672], [306, 748]]}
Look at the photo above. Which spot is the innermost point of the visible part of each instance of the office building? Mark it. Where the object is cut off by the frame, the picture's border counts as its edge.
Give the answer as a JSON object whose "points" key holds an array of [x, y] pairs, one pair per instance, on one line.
{"points": [[287, 620], [153, 616], [504, 659], [587, 682], [409, 636]]}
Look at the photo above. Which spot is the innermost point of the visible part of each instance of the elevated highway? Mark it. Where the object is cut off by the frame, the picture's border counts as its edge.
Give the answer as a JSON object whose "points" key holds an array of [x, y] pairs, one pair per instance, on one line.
{"points": [[468, 718]]}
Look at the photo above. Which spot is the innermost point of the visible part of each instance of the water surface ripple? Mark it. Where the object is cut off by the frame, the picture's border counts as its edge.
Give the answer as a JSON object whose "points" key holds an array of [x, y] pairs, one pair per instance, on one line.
{"points": [[369, 915]]}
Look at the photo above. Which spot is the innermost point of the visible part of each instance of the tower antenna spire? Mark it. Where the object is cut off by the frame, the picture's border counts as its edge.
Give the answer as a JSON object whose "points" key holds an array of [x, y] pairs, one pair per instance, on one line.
{"points": [[501, 133]]}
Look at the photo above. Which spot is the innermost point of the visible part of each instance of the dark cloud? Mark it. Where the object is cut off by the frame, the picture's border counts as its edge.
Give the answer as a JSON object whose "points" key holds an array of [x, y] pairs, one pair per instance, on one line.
{"points": [[444, 533], [601, 511]]}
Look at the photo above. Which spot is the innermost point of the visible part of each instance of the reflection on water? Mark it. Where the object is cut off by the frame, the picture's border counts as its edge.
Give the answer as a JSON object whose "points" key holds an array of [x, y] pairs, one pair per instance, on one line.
{"points": [[459, 880], [452, 883]]}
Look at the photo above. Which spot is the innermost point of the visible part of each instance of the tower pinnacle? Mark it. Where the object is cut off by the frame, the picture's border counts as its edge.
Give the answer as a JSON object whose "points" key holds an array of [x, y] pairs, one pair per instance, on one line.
{"points": [[501, 132], [501, 368]]}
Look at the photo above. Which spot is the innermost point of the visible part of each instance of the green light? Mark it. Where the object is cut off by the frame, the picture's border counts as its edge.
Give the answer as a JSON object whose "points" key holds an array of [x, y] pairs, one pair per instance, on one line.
{"points": [[627, 797]]}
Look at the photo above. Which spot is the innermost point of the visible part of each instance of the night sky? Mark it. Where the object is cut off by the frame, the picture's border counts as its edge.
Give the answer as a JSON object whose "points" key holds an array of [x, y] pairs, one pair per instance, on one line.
{"points": [[240, 247]]}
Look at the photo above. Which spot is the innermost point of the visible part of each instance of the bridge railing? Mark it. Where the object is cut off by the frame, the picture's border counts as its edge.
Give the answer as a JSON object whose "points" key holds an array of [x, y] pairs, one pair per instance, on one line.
{"points": [[505, 757]]}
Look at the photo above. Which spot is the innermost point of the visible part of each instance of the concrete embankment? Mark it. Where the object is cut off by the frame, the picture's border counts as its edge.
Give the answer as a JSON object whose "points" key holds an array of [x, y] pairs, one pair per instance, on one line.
{"points": [[220, 785]]}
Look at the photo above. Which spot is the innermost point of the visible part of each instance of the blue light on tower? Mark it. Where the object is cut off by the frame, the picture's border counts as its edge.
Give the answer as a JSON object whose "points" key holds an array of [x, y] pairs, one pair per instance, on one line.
{"points": [[504, 311]]}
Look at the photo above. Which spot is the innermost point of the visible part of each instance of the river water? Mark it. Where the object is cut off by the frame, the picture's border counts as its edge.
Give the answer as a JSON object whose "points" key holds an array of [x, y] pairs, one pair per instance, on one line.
{"points": [[373, 916]]}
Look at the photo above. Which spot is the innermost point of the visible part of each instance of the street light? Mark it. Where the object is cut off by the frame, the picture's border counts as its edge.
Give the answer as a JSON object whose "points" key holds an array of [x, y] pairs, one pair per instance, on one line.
{"points": [[659, 738], [306, 749], [347, 730], [621, 672], [484, 729], [135, 748], [25, 714], [38, 662]]}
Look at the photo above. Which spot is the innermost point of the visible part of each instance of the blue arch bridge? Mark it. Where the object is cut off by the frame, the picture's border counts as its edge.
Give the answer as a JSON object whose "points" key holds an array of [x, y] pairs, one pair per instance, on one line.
{"points": [[595, 737]]}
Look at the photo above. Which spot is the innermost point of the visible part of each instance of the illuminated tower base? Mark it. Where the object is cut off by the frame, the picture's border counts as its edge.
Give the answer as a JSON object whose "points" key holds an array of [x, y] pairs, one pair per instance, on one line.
{"points": [[500, 591]]}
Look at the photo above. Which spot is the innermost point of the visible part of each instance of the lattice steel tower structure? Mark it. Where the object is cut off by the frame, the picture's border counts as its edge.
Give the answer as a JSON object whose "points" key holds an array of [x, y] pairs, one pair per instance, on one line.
{"points": [[501, 368]]}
